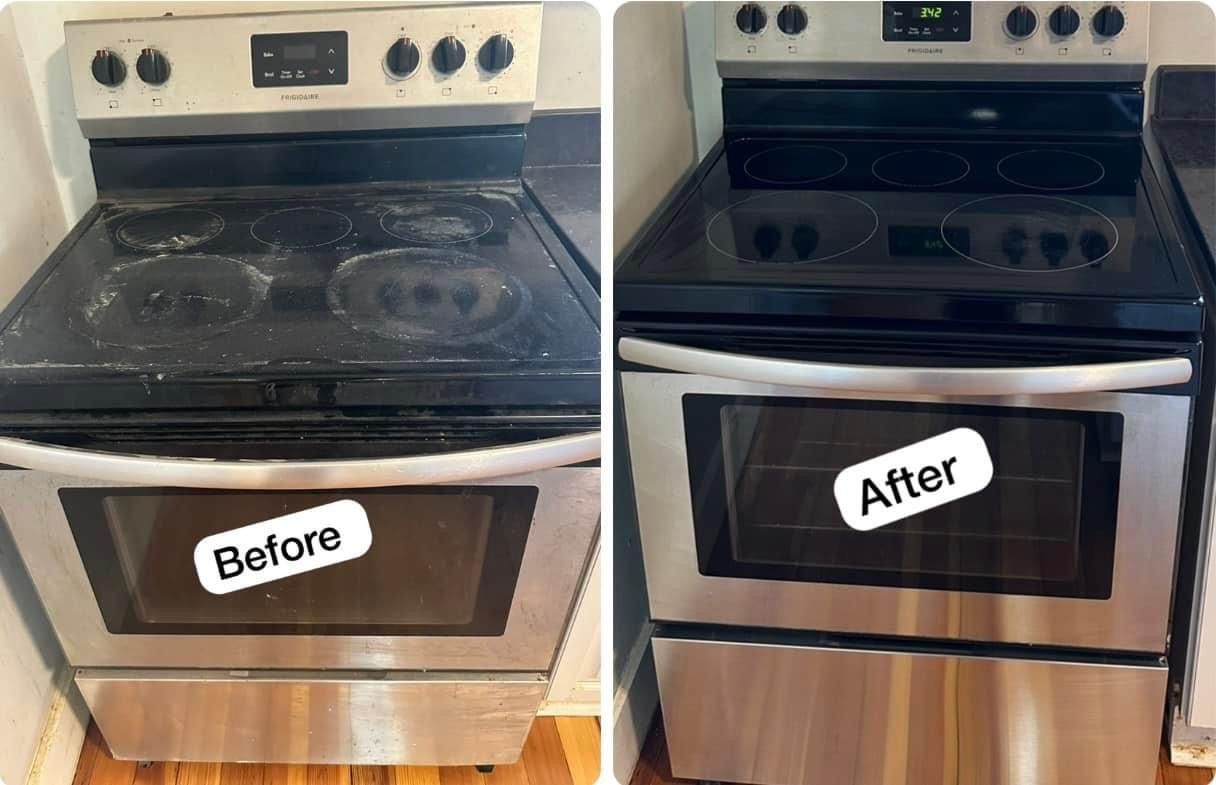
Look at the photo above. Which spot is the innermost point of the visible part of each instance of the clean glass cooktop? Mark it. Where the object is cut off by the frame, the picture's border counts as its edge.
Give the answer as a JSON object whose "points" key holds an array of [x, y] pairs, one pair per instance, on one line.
{"points": [[990, 218], [378, 281]]}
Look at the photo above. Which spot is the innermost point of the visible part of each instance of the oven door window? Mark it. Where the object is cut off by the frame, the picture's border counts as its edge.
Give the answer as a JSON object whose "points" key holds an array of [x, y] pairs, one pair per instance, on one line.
{"points": [[443, 561], [762, 473]]}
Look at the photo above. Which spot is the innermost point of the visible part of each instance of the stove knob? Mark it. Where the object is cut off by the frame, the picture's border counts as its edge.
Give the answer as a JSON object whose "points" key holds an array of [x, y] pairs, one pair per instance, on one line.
{"points": [[152, 67], [805, 241], [1054, 247], [1064, 21], [108, 68], [751, 19], [1094, 245], [767, 239], [1108, 21], [448, 56], [1013, 244], [496, 53], [1021, 22], [402, 58], [791, 20]]}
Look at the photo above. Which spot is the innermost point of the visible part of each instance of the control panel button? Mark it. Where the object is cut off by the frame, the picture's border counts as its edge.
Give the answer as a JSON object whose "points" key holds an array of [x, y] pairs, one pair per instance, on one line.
{"points": [[448, 56], [108, 68], [152, 67], [1021, 22], [751, 19], [402, 58], [496, 53], [1108, 21], [791, 20]]}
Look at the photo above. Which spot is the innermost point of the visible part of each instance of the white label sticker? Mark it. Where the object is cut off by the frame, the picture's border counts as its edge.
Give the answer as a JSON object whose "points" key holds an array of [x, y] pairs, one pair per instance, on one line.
{"points": [[912, 479], [287, 545]]}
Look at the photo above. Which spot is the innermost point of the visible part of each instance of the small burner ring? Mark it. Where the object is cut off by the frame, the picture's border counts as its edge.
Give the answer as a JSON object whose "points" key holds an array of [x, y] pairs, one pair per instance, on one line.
{"points": [[1091, 173], [795, 164], [301, 227], [436, 223], [944, 156], [172, 229]]}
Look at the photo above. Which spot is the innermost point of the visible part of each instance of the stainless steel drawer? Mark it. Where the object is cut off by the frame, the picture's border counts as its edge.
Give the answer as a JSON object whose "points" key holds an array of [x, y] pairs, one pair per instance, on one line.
{"points": [[311, 717], [791, 715]]}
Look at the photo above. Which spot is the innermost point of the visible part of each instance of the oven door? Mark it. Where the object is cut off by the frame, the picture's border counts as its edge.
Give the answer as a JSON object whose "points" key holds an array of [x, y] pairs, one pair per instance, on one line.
{"points": [[1072, 542], [474, 562]]}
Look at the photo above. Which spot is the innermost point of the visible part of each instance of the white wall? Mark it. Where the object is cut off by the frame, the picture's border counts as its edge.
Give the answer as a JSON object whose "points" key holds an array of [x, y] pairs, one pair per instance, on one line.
{"points": [[31, 224], [654, 129], [569, 79]]}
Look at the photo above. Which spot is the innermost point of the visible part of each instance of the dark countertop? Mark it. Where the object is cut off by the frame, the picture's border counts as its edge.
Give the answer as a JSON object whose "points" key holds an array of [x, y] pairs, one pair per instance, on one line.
{"points": [[1184, 126], [562, 172], [570, 196]]}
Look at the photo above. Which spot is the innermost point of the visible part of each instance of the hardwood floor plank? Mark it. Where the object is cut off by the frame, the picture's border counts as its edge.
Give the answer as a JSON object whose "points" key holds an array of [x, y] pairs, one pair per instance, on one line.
{"points": [[98, 767], [580, 738], [460, 775], [510, 774], [543, 756], [198, 773], [156, 774], [285, 774], [371, 775], [328, 775], [1181, 775], [242, 774], [415, 775]]}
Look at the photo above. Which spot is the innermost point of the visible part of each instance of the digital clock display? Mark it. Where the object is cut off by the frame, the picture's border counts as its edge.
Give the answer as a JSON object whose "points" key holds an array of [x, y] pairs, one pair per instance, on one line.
{"points": [[926, 22], [922, 241]]}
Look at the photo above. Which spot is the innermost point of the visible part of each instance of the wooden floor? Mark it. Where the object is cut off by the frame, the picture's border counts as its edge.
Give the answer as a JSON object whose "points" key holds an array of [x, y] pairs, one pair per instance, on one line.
{"points": [[654, 769], [559, 751]]}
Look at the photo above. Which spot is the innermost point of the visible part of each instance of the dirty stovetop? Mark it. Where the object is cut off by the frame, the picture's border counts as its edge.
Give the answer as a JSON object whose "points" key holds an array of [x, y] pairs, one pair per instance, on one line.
{"points": [[457, 285]]}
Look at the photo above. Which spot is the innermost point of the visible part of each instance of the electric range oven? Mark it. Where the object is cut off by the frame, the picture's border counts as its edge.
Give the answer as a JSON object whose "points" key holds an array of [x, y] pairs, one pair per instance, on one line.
{"points": [[894, 241], [278, 304]]}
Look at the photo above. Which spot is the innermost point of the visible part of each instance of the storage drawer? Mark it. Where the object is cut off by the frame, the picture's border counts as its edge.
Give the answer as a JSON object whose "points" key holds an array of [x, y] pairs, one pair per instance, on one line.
{"points": [[791, 715], [307, 717]]}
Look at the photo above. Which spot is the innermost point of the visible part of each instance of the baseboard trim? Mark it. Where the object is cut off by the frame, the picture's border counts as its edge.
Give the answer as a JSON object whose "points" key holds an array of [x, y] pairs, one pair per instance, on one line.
{"points": [[1192, 746], [67, 719]]}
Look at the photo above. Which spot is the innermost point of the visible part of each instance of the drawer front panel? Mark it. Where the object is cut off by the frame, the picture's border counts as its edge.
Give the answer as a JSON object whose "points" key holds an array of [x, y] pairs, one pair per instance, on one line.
{"points": [[790, 715], [444, 720]]}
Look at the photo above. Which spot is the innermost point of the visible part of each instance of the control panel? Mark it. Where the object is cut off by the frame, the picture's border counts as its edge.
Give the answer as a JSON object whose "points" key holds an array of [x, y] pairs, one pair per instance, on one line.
{"points": [[913, 39], [310, 71]]}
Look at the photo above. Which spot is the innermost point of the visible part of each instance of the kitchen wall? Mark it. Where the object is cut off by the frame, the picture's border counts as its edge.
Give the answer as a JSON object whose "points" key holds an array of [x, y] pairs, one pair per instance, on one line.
{"points": [[570, 76], [32, 667]]}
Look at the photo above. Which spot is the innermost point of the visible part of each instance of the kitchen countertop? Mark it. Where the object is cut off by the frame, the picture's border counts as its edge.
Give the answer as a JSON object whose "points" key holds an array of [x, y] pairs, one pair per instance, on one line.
{"points": [[562, 172], [1184, 126]]}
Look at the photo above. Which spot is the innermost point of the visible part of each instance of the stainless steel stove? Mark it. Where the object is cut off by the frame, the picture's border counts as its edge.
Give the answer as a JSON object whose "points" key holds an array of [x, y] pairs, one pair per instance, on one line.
{"points": [[312, 275], [922, 217]]}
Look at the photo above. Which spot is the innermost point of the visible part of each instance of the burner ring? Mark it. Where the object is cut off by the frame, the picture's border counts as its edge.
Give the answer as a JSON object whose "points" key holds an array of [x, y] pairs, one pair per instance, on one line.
{"points": [[1097, 174], [159, 302], [430, 295], [172, 229], [418, 222], [830, 157], [784, 198], [289, 228], [1098, 257], [954, 158]]}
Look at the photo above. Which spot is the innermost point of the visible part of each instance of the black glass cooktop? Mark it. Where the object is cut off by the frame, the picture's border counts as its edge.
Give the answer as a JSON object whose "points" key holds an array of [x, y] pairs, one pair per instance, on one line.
{"points": [[1046, 233], [450, 291]]}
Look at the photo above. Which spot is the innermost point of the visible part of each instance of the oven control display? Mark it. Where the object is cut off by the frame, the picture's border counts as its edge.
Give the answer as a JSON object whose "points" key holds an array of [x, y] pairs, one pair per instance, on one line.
{"points": [[299, 59], [906, 21]]}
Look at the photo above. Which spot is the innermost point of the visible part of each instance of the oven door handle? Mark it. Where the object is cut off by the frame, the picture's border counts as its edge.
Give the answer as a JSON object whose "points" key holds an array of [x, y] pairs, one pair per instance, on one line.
{"points": [[1034, 380], [465, 466]]}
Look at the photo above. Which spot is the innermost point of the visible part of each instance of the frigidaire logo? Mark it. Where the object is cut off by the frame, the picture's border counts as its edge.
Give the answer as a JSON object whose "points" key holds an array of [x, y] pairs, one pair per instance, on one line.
{"points": [[300, 96], [925, 50]]}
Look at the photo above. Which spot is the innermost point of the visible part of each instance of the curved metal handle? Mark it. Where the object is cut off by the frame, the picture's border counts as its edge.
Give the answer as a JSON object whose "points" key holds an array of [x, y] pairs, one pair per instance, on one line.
{"points": [[1039, 380], [302, 475]]}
